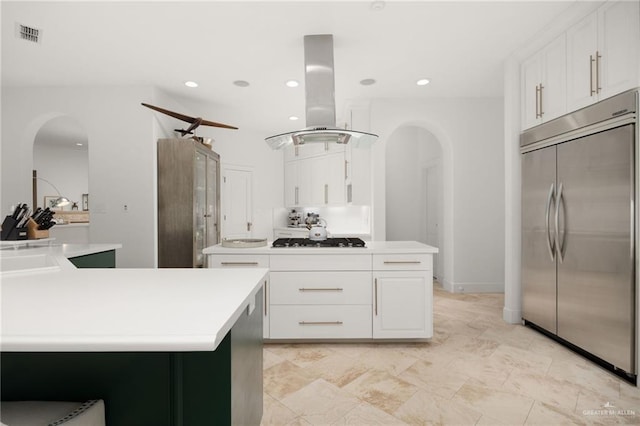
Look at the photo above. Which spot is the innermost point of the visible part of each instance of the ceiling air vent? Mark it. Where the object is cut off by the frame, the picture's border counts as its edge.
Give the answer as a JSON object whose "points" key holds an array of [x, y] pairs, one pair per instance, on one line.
{"points": [[31, 34]]}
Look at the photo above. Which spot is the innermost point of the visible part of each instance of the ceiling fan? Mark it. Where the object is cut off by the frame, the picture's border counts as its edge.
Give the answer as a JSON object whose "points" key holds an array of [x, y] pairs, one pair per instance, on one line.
{"points": [[195, 122]]}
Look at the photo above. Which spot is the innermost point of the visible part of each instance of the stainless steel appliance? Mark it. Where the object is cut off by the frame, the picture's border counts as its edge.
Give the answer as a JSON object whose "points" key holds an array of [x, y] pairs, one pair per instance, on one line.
{"points": [[578, 230], [329, 242], [188, 202]]}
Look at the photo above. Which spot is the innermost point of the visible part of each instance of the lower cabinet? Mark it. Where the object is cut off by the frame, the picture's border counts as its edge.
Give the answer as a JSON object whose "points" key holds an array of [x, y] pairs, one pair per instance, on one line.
{"points": [[402, 305], [104, 259], [354, 296], [247, 261], [333, 304]]}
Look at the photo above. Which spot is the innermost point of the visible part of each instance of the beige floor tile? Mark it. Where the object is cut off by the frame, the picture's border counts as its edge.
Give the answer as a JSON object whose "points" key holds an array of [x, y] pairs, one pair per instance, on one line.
{"points": [[367, 414], [589, 377], [545, 415], [382, 390], [425, 408], [486, 371], [337, 369], [543, 388], [321, 403], [521, 359], [298, 421], [269, 359], [599, 408], [351, 350], [519, 336], [285, 378], [386, 358], [275, 413], [440, 381], [301, 354], [496, 403]]}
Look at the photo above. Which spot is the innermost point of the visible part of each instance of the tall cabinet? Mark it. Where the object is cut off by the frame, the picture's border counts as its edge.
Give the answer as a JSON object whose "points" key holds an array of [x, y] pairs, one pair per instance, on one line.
{"points": [[188, 202]]}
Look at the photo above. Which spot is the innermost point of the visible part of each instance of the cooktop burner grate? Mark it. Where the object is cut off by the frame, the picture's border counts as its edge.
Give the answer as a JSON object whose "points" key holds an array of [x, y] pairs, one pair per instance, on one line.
{"points": [[329, 242]]}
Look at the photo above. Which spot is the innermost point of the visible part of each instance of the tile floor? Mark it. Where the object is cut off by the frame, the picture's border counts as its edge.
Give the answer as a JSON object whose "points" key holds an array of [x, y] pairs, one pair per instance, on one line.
{"points": [[477, 370]]}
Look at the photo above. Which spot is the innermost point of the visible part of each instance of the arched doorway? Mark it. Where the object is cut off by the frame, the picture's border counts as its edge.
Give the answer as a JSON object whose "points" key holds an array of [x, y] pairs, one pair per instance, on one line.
{"points": [[414, 206]]}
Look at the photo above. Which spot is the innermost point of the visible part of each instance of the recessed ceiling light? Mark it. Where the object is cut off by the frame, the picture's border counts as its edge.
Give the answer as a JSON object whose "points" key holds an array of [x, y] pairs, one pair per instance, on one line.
{"points": [[367, 82], [241, 83], [78, 144], [422, 82], [293, 118], [292, 83], [191, 84]]}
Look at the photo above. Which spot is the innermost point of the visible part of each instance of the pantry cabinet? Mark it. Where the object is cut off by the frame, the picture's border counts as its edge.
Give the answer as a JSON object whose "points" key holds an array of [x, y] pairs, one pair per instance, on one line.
{"points": [[544, 84], [603, 53]]}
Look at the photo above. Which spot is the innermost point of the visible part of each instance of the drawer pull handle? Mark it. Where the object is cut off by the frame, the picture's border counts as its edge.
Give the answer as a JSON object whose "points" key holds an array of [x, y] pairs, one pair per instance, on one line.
{"points": [[392, 262], [320, 322], [238, 263], [320, 289]]}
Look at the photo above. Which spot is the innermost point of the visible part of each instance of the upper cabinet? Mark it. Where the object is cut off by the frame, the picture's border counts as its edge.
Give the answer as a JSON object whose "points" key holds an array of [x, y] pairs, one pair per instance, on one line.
{"points": [[603, 53], [594, 59], [544, 84]]}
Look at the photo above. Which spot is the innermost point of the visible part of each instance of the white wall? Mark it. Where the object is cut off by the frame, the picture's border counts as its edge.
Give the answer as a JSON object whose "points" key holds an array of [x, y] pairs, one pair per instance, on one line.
{"points": [[121, 158], [471, 135], [122, 135]]}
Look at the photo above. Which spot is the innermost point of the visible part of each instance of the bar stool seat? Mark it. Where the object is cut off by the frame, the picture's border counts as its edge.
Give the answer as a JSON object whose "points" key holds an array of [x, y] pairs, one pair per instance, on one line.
{"points": [[52, 413]]}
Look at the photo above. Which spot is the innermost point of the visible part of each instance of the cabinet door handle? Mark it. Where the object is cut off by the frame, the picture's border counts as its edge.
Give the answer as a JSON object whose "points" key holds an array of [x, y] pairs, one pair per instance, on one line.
{"points": [[239, 263], [326, 193], [248, 226], [397, 262], [320, 289], [320, 322], [537, 101], [296, 196], [598, 56], [296, 151], [591, 63], [375, 296], [266, 291], [346, 175], [541, 111]]}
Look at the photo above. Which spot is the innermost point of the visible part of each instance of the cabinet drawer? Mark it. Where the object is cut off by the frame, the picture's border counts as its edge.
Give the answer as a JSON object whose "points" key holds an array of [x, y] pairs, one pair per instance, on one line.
{"points": [[320, 322], [238, 261], [327, 288], [402, 262], [321, 262]]}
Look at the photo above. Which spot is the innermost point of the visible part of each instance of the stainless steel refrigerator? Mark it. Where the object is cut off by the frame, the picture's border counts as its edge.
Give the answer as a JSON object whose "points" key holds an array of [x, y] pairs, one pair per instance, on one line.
{"points": [[578, 230]]}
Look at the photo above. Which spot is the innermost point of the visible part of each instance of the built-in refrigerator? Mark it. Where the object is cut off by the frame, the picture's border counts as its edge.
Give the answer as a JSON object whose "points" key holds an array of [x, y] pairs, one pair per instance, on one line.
{"points": [[188, 202], [578, 230]]}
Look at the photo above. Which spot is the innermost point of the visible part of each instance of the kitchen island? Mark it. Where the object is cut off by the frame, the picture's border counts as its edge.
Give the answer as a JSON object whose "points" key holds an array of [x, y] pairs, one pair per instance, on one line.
{"points": [[159, 346], [381, 291]]}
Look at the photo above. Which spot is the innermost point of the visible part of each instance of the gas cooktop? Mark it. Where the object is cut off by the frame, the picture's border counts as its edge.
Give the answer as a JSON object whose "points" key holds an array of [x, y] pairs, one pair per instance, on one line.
{"points": [[329, 242]]}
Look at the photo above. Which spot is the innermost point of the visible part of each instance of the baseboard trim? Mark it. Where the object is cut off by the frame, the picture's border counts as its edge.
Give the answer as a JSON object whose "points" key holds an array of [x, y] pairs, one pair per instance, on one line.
{"points": [[511, 316], [477, 288]]}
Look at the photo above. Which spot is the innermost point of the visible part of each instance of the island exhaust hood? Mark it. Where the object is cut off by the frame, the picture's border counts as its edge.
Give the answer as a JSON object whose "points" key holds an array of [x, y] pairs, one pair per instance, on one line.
{"points": [[320, 101]]}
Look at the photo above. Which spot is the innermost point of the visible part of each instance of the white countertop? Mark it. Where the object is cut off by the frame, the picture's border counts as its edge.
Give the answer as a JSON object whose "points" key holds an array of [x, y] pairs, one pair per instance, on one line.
{"points": [[115, 310], [372, 247]]}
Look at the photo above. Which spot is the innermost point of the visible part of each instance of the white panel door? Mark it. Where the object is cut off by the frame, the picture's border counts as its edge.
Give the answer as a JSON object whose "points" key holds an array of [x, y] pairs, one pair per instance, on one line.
{"points": [[236, 202], [582, 44], [402, 305]]}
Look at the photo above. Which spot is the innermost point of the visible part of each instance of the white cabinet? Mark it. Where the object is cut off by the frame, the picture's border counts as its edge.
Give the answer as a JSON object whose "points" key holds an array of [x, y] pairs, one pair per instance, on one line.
{"points": [[315, 181], [247, 261], [402, 296], [603, 53], [544, 84], [320, 296]]}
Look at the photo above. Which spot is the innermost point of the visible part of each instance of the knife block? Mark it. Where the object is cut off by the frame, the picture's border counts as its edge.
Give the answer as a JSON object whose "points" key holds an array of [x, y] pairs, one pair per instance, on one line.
{"points": [[34, 233], [10, 232]]}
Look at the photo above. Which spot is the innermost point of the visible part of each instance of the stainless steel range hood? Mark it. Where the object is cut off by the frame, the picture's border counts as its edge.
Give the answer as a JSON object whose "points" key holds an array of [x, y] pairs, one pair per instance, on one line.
{"points": [[320, 101]]}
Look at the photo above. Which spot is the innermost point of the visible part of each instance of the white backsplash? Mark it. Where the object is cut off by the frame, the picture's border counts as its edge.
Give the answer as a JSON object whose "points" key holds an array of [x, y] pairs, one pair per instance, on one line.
{"points": [[340, 220]]}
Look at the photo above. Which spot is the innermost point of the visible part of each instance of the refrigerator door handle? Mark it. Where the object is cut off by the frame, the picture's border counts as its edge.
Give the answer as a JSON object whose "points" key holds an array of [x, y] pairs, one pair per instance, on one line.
{"points": [[559, 203], [550, 242]]}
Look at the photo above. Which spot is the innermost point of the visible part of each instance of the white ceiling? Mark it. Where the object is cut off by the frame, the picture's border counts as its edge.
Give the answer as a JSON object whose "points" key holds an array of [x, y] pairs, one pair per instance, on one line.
{"points": [[460, 46]]}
